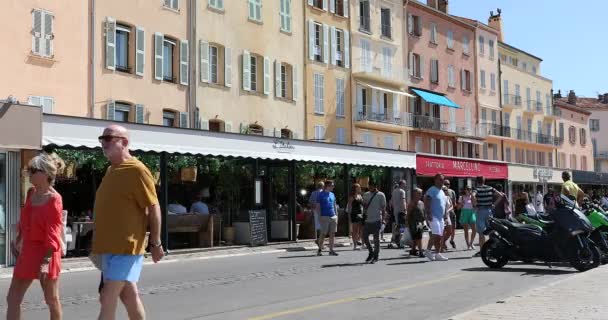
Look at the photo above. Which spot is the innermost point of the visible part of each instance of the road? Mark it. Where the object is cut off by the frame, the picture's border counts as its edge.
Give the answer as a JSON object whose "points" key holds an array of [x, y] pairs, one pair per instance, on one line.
{"points": [[300, 285]]}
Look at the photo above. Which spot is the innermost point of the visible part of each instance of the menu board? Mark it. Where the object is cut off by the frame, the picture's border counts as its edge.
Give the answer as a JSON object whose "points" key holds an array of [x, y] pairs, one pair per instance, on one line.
{"points": [[258, 228]]}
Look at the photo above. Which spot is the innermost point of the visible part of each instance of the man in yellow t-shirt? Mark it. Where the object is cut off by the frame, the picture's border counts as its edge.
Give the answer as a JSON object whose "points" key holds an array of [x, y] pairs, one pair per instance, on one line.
{"points": [[125, 205], [571, 189]]}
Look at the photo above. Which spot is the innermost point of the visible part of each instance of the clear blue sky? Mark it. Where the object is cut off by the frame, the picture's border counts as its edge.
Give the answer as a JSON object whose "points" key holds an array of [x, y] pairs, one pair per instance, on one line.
{"points": [[570, 36]]}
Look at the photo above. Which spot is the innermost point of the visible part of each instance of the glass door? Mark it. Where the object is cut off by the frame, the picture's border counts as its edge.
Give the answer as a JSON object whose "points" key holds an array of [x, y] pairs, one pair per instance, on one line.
{"points": [[3, 208]]}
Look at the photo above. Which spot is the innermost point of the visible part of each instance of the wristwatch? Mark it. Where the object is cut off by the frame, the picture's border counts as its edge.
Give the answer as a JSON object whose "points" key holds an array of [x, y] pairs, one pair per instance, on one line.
{"points": [[155, 245]]}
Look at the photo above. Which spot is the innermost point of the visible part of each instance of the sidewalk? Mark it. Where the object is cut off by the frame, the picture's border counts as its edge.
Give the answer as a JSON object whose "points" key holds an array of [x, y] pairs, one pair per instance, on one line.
{"points": [[581, 296]]}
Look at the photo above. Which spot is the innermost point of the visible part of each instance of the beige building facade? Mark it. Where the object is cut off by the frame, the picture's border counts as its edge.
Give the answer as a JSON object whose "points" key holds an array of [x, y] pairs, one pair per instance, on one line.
{"points": [[575, 151]]}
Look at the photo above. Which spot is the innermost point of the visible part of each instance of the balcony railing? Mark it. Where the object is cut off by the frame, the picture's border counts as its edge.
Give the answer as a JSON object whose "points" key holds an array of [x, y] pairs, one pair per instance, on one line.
{"points": [[534, 106], [522, 135], [430, 123], [367, 113], [365, 23], [512, 100], [386, 30]]}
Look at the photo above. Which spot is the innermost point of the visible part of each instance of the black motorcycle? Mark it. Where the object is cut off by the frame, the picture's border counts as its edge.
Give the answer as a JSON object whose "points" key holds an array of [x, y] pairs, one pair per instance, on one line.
{"points": [[564, 239]]}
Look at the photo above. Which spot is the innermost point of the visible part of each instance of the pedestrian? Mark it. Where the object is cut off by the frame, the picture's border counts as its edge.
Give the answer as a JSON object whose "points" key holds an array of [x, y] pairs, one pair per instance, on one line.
{"points": [[355, 210], [538, 201], [604, 201], [467, 216], [521, 201], [312, 202], [125, 206], [502, 207], [399, 205], [374, 203], [452, 213], [571, 189], [327, 208], [484, 200], [38, 246], [447, 230], [415, 221], [436, 205]]}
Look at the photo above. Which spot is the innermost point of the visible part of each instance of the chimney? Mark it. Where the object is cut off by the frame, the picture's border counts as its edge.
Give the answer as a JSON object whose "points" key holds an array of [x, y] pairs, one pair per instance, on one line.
{"points": [[600, 97], [495, 22], [572, 97], [557, 95], [432, 3], [443, 6], [606, 98]]}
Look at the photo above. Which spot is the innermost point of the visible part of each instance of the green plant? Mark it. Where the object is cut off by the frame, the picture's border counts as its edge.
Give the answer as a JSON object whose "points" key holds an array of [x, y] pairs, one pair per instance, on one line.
{"points": [[178, 161], [84, 158]]}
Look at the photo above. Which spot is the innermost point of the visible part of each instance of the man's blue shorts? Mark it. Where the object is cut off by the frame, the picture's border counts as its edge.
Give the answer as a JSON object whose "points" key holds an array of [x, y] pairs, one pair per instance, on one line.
{"points": [[117, 267]]}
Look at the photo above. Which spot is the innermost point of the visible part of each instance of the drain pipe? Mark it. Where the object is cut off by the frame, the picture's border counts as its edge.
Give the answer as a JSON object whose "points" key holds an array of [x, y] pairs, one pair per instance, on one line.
{"points": [[92, 61]]}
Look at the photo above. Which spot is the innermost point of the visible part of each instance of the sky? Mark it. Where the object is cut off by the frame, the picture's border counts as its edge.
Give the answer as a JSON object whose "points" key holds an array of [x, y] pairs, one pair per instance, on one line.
{"points": [[570, 36]]}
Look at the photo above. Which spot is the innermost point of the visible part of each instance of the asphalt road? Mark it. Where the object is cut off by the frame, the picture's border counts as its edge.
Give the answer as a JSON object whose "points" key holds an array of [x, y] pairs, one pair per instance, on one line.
{"points": [[299, 285]]}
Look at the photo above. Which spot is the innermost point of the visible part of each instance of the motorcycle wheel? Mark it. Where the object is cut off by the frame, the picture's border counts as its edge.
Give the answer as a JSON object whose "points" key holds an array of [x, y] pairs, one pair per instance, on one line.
{"points": [[582, 263], [492, 256]]}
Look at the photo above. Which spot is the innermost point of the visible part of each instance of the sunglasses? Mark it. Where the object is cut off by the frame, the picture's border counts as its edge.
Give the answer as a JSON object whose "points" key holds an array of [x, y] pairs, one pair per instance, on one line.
{"points": [[108, 138], [33, 171]]}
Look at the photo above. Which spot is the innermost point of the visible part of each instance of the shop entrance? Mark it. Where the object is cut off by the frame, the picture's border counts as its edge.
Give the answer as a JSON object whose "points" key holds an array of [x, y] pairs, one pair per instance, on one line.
{"points": [[3, 207], [279, 199]]}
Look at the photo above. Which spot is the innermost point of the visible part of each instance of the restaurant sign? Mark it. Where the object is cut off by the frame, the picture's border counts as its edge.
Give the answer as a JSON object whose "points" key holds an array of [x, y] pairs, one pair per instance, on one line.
{"points": [[282, 146], [543, 174], [452, 167]]}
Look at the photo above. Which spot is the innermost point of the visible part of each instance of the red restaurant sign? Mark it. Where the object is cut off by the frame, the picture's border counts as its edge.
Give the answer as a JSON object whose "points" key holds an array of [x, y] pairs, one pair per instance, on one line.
{"points": [[452, 167]]}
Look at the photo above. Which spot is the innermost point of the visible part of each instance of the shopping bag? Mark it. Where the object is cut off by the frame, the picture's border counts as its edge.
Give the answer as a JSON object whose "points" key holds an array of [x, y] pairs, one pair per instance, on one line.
{"points": [[406, 238], [530, 209]]}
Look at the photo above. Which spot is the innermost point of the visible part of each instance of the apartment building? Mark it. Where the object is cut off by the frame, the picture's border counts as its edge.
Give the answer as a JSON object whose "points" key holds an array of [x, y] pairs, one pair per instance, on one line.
{"points": [[379, 74], [328, 71], [441, 58], [250, 67], [598, 127], [45, 54]]}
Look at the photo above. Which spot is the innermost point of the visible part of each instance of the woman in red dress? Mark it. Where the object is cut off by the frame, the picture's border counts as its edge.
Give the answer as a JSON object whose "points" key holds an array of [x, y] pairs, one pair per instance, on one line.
{"points": [[39, 242]]}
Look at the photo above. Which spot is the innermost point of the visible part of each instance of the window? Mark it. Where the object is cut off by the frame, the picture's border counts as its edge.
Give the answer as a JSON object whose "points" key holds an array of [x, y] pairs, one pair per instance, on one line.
{"points": [[121, 112], [366, 139], [318, 44], [550, 159], [42, 33], [46, 103], [434, 71], [168, 56], [122, 47], [340, 45], [319, 133], [317, 4], [168, 119], [172, 4], [318, 93], [257, 73], [465, 80], [548, 106], [414, 25], [491, 46], [465, 45], [285, 15], [341, 135], [484, 116], [389, 142], [583, 136], [216, 4], [482, 79], [530, 157], [433, 146], [451, 77], [561, 131], [433, 31], [594, 125], [450, 39], [539, 102], [540, 158], [340, 97], [255, 10], [385, 20], [283, 79], [524, 66], [416, 65], [534, 69], [492, 82], [584, 163], [255, 129], [286, 134], [366, 55], [364, 16], [213, 57], [387, 62], [508, 154], [514, 61], [482, 44], [573, 161], [254, 73], [340, 7], [572, 135], [418, 143]]}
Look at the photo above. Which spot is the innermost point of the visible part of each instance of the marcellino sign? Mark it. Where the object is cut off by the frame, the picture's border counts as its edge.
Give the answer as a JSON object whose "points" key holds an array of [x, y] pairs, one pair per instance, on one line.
{"points": [[282, 146]]}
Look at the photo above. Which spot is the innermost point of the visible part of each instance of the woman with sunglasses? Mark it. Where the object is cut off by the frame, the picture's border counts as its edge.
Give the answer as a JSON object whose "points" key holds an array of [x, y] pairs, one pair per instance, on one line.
{"points": [[40, 232]]}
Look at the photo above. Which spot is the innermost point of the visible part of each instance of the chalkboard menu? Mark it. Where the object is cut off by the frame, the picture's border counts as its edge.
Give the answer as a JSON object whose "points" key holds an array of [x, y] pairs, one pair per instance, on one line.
{"points": [[257, 227]]}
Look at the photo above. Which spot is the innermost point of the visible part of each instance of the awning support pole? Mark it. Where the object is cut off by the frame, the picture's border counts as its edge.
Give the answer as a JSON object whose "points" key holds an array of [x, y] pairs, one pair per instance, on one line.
{"points": [[164, 200], [292, 201]]}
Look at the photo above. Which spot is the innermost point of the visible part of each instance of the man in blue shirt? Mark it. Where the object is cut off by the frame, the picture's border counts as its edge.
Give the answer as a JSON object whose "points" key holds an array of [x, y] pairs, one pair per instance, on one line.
{"points": [[435, 205], [327, 209]]}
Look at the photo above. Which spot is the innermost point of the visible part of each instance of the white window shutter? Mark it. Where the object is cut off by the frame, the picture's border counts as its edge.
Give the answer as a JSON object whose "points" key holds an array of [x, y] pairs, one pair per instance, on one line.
{"points": [[374, 101], [410, 23], [324, 4], [37, 31], [345, 7], [311, 38], [360, 101], [204, 124], [228, 67], [34, 101], [411, 63], [295, 82], [159, 38], [332, 6], [311, 2], [228, 126], [183, 120], [419, 24], [139, 113], [110, 43], [47, 104], [48, 34], [205, 65], [110, 109], [421, 67], [183, 62], [246, 70], [333, 44], [396, 110], [463, 76], [266, 75], [325, 43], [140, 51], [277, 133], [346, 49], [277, 79]]}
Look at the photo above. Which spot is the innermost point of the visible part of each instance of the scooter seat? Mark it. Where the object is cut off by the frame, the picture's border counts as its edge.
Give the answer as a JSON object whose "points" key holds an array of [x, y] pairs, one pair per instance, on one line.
{"points": [[515, 225]]}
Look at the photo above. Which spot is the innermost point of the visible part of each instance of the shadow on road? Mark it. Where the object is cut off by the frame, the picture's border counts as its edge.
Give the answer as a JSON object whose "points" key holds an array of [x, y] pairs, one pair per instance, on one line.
{"points": [[524, 271], [405, 263], [292, 257], [343, 265]]}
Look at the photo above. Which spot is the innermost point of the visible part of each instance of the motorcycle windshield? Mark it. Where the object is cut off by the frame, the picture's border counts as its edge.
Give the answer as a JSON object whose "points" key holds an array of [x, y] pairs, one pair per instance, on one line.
{"points": [[571, 220]]}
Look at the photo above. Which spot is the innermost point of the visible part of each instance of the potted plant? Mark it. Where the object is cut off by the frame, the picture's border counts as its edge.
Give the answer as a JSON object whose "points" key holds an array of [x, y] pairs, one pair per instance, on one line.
{"points": [[184, 167]]}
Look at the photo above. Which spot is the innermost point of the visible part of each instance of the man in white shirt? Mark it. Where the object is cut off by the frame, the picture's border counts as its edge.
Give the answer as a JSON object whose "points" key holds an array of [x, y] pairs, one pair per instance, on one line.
{"points": [[199, 207], [604, 201], [538, 201]]}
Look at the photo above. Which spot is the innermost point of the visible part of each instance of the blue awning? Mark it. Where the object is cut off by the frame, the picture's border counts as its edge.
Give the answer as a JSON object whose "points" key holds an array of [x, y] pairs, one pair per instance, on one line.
{"points": [[436, 98]]}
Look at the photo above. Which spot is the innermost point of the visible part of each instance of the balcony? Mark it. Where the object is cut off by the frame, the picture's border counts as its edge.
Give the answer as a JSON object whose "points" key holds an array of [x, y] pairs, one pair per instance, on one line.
{"points": [[521, 135], [552, 113], [510, 101], [533, 107], [603, 155], [368, 70]]}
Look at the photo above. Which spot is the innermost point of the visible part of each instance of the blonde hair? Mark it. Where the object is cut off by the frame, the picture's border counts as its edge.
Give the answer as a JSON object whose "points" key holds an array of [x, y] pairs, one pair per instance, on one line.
{"points": [[49, 163]]}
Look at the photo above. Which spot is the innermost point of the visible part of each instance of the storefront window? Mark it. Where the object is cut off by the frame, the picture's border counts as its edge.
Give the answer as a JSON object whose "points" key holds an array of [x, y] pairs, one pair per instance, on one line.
{"points": [[3, 209]]}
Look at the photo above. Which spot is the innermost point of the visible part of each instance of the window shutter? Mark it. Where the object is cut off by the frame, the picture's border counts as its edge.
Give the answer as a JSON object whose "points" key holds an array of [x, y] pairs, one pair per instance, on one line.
{"points": [[266, 75], [228, 126], [295, 82], [411, 63], [463, 84], [34, 101], [204, 124], [140, 51], [311, 2], [325, 43], [410, 24], [183, 120], [432, 70], [246, 70], [36, 31], [325, 4], [277, 79], [205, 65], [227, 67], [183, 62], [110, 43], [332, 6], [139, 113], [360, 101], [159, 38], [396, 111], [421, 67], [311, 37], [47, 105], [374, 101], [110, 109], [419, 24], [345, 7], [277, 133], [48, 34], [268, 132], [346, 49], [333, 44]]}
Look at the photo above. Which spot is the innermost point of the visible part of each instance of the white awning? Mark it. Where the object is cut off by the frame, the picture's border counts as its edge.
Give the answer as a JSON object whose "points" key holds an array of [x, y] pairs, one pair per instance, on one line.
{"points": [[473, 141], [65, 131], [401, 92]]}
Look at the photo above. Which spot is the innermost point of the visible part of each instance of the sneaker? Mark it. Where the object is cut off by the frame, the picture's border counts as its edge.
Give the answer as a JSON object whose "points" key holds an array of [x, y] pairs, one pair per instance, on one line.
{"points": [[374, 260], [440, 257], [369, 258], [333, 253], [429, 255], [477, 255], [319, 253], [359, 243], [472, 247], [453, 244]]}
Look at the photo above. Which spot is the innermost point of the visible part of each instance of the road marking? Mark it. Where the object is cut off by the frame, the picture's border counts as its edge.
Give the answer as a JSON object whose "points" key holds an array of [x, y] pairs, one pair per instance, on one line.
{"points": [[353, 299]]}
